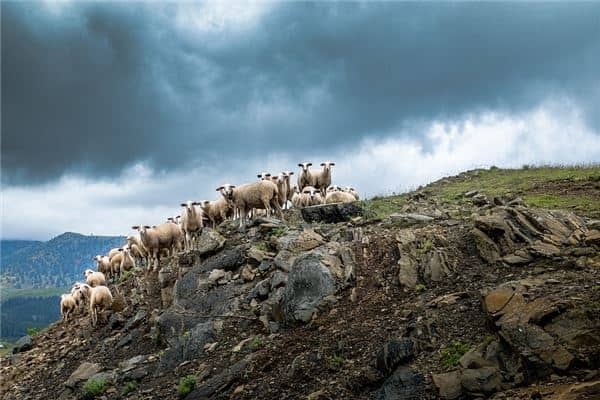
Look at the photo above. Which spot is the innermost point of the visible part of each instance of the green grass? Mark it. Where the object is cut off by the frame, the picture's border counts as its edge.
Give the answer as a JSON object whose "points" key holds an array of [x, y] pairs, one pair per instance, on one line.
{"points": [[335, 362], [381, 207], [94, 387], [33, 331], [11, 293], [256, 343], [497, 182], [453, 353], [186, 385], [129, 387]]}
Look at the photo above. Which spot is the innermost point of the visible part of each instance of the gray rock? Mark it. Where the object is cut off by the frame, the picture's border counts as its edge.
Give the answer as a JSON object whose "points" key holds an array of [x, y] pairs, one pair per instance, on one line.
{"points": [[407, 273], [309, 281], [223, 379], [471, 193], [260, 291], [136, 320], [265, 265], [394, 353], [82, 373], [410, 218], [481, 380], [23, 344], [188, 346], [283, 260], [448, 385], [404, 383], [132, 363], [278, 279], [332, 213], [209, 241]]}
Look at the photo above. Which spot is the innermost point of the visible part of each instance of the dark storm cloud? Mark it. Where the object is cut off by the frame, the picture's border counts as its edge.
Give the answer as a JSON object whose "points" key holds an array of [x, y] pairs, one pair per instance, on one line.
{"points": [[96, 87]]}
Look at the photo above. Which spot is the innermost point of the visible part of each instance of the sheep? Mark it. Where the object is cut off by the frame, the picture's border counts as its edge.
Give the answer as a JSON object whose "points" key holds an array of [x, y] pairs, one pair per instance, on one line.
{"points": [[297, 198], [100, 300], [352, 191], [94, 278], [103, 265], [217, 211], [339, 197], [280, 181], [127, 261], [68, 304], [305, 178], [333, 188], [290, 192], [264, 176], [259, 195], [322, 179], [311, 197], [164, 236], [137, 248], [191, 222]]}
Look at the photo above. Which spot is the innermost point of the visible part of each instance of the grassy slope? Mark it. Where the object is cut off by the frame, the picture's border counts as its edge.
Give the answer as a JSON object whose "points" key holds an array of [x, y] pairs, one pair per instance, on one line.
{"points": [[538, 186]]}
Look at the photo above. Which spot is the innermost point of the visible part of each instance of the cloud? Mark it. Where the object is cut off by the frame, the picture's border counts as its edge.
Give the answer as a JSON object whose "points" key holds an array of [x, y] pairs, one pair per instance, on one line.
{"points": [[94, 89], [554, 133]]}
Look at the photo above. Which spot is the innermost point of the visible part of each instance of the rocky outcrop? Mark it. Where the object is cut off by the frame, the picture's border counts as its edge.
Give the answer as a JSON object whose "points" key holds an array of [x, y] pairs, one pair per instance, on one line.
{"points": [[332, 213]]}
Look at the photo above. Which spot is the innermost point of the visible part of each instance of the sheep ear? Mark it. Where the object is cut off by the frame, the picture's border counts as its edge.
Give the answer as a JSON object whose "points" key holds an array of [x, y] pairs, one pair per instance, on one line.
{"points": [[309, 164], [136, 227], [322, 164], [291, 173], [300, 165], [183, 204], [221, 187], [331, 164], [146, 226], [232, 186], [257, 175]]}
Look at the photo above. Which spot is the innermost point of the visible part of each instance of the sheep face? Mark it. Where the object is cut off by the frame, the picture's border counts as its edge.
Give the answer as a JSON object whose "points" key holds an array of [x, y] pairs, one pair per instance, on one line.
{"points": [[304, 166], [88, 272], [327, 165], [143, 229], [333, 188], [226, 191], [264, 176]]}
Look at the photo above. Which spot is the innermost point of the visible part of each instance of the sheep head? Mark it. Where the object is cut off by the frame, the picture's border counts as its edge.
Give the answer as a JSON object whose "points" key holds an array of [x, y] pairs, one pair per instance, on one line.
{"points": [[264, 176], [304, 166], [327, 165], [226, 191]]}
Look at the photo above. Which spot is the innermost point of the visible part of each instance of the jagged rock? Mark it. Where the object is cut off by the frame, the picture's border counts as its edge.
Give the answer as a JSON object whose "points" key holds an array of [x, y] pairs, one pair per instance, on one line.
{"points": [[265, 265], [296, 242], [309, 281], [448, 384], [284, 260], [278, 279], [209, 241], [404, 383], [437, 267], [481, 380], [488, 250], [215, 275], [82, 373], [188, 345], [23, 344], [247, 274], [210, 386], [407, 275], [116, 321], [394, 353], [331, 213], [136, 320], [480, 200], [228, 259], [411, 218], [132, 363], [471, 193], [260, 291], [542, 249], [256, 254]]}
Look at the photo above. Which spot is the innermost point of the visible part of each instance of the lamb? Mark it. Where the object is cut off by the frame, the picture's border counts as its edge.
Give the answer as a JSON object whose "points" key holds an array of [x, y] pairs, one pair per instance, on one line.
{"points": [[322, 179], [164, 236], [137, 248], [100, 300], [103, 265], [68, 304], [352, 191], [259, 195], [280, 181], [339, 197], [312, 197], [127, 261], [217, 211], [297, 198], [191, 223], [305, 178], [94, 278]]}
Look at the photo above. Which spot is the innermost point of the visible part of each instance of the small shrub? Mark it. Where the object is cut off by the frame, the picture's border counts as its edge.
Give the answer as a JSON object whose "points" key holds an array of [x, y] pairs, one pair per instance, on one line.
{"points": [[94, 387], [453, 353], [426, 246], [125, 275], [336, 362], [186, 385], [32, 331], [278, 231], [256, 343], [419, 287], [129, 387]]}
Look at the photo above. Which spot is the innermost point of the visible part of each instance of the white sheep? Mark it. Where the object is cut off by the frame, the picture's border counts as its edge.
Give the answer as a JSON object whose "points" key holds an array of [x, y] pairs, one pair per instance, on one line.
{"points": [[167, 236], [290, 190], [280, 181], [103, 265], [127, 260], [264, 176], [68, 304], [113, 252], [191, 223], [260, 195], [297, 198], [352, 191], [217, 211], [339, 197], [94, 278], [322, 179], [305, 177], [138, 251], [311, 197], [100, 300]]}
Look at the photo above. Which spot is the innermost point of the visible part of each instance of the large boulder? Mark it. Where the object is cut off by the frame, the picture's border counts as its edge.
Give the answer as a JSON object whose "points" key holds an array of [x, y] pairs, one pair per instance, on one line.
{"points": [[309, 281], [404, 383], [23, 344], [332, 213], [188, 345], [209, 241], [85, 371]]}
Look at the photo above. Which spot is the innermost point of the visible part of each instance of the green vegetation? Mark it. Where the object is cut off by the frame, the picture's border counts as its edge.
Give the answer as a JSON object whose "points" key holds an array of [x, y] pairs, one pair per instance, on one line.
{"points": [[453, 353], [278, 231], [335, 362], [32, 331], [538, 186], [125, 275], [186, 385], [419, 287], [129, 387], [380, 207], [94, 387], [256, 343]]}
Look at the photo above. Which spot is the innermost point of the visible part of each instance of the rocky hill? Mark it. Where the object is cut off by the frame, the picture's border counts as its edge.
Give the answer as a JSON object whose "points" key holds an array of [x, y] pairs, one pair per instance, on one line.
{"points": [[461, 289], [55, 263]]}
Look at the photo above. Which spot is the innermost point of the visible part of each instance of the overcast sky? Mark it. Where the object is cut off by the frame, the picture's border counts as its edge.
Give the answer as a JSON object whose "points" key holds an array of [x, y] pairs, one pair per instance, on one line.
{"points": [[113, 113]]}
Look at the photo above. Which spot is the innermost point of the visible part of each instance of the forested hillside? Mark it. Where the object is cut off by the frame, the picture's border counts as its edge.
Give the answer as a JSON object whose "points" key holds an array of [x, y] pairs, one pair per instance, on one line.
{"points": [[56, 263]]}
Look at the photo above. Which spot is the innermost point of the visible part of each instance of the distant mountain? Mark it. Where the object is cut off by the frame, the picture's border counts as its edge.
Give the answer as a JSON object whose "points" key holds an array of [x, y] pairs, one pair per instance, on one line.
{"points": [[55, 263]]}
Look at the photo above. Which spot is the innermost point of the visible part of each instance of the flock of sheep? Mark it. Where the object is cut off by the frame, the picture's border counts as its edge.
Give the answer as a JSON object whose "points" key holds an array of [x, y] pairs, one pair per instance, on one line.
{"points": [[271, 193]]}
